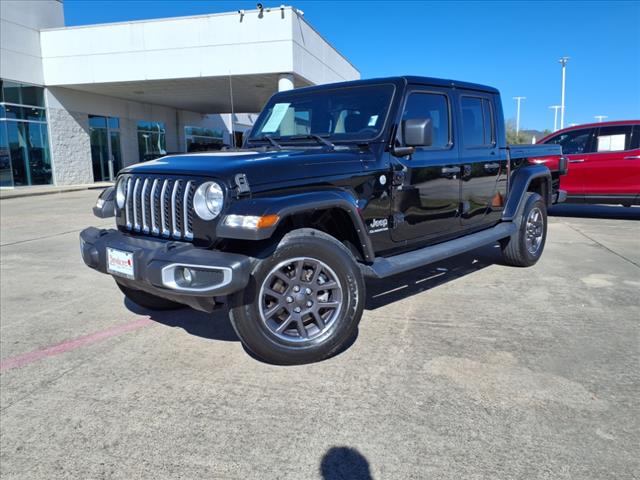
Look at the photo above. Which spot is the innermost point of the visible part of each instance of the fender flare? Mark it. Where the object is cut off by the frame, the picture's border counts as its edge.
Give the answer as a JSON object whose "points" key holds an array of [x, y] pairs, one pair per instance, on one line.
{"points": [[290, 204], [519, 185]]}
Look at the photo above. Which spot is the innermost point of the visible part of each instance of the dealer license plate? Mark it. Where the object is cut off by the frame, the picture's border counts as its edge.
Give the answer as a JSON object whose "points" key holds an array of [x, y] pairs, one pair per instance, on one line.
{"points": [[120, 263]]}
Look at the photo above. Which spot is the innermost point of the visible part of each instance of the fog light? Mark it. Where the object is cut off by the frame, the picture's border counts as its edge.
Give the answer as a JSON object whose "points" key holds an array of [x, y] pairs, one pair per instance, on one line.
{"points": [[187, 275]]}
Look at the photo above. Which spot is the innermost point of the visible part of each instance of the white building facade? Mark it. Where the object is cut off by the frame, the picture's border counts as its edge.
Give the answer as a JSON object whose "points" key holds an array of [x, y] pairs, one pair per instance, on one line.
{"points": [[79, 103]]}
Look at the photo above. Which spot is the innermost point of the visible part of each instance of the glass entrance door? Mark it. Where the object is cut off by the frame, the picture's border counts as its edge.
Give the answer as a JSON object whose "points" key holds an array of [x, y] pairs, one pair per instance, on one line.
{"points": [[105, 147]]}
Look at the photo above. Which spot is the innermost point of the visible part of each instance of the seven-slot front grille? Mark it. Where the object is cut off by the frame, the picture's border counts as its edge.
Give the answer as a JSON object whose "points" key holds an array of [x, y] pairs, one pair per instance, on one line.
{"points": [[159, 206]]}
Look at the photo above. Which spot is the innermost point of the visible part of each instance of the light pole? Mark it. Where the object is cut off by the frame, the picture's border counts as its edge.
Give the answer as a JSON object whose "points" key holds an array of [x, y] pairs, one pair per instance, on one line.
{"points": [[563, 61], [555, 116], [518, 99], [600, 118]]}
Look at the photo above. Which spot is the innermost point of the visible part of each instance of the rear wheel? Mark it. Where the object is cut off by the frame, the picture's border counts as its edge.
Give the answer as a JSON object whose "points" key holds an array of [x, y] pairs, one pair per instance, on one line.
{"points": [[303, 303], [525, 247], [147, 300]]}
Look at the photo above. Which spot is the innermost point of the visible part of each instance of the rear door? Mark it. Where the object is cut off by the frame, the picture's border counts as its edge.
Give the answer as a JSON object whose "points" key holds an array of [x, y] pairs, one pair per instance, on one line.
{"points": [[614, 166], [576, 145], [425, 201], [481, 192]]}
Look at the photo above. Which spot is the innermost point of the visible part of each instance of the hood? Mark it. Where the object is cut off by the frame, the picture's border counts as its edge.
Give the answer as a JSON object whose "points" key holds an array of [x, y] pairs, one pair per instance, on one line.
{"points": [[260, 167]]}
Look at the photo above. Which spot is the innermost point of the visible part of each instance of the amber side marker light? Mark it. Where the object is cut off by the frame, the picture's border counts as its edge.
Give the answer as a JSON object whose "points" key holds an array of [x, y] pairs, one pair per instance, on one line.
{"points": [[267, 221]]}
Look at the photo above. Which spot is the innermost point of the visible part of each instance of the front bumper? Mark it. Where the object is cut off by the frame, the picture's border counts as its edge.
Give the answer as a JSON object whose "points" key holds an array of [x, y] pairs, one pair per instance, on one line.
{"points": [[157, 265]]}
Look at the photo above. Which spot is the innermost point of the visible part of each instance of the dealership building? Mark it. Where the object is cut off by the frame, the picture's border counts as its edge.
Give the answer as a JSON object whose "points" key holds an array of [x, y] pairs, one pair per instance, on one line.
{"points": [[79, 103]]}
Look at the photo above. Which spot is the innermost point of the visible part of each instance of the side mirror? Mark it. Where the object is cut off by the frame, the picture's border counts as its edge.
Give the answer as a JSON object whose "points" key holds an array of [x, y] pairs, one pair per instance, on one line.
{"points": [[417, 132], [105, 205]]}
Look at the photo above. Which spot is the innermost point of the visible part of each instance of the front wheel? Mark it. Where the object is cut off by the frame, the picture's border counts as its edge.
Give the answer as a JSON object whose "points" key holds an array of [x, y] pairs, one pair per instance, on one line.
{"points": [[524, 248], [303, 302]]}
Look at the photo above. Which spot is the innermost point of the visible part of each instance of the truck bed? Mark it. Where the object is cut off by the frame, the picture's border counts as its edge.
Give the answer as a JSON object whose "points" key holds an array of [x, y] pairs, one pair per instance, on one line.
{"points": [[545, 154]]}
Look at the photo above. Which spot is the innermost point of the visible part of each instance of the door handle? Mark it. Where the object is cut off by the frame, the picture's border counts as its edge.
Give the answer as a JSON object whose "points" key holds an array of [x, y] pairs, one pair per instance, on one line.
{"points": [[577, 160], [450, 170], [491, 166], [632, 157]]}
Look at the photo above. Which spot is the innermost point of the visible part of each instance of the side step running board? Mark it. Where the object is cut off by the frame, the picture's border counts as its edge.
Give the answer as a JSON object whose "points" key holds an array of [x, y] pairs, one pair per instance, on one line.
{"points": [[385, 267]]}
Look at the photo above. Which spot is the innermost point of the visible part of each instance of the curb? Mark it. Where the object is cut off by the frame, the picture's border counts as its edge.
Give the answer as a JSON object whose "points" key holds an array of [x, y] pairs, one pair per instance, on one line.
{"points": [[54, 190]]}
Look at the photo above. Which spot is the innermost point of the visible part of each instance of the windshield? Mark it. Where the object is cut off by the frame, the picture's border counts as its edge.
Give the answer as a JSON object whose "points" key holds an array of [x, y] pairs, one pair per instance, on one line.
{"points": [[350, 113]]}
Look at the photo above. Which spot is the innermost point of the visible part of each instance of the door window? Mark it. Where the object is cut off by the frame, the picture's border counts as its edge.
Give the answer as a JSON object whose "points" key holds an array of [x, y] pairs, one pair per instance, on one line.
{"points": [[478, 128], [573, 142], [435, 107], [614, 139], [634, 143]]}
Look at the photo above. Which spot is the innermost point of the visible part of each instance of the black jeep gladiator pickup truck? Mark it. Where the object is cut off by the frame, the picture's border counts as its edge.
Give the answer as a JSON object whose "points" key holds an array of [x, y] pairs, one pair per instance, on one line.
{"points": [[334, 184]]}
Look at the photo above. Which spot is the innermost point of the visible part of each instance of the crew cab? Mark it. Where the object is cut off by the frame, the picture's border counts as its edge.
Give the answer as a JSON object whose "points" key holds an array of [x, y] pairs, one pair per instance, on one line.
{"points": [[334, 184], [604, 159]]}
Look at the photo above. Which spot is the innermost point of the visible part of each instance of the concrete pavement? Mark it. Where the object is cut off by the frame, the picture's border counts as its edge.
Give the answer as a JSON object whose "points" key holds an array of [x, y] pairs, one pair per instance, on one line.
{"points": [[466, 369]]}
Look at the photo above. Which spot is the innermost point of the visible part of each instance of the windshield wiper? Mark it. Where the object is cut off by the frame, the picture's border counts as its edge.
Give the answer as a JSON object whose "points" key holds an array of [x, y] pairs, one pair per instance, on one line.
{"points": [[269, 139], [318, 138]]}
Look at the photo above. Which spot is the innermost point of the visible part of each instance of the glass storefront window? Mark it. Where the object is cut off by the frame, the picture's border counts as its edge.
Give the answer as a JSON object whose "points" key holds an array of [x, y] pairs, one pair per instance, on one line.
{"points": [[6, 177], [152, 141], [22, 94], [25, 158], [199, 139], [29, 152]]}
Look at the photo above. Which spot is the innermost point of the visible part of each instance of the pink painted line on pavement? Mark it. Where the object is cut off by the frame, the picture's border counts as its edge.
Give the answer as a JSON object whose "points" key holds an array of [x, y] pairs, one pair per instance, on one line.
{"points": [[30, 357]]}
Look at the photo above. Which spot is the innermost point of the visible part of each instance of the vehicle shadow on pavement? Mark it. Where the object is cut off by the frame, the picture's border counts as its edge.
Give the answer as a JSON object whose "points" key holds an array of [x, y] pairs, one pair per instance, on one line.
{"points": [[342, 463], [405, 285], [613, 212], [214, 326]]}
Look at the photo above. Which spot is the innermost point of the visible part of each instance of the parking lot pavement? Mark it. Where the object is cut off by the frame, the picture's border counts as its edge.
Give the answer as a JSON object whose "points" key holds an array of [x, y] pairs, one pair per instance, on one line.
{"points": [[466, 369]]}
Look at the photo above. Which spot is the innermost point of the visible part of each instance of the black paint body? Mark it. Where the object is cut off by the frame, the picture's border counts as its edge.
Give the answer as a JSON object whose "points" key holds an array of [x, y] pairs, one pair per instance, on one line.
{"points": [[428, 197]]}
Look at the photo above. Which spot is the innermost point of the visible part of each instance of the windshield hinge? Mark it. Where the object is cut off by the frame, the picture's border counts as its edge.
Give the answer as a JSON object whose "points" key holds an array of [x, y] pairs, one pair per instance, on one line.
{"points": [[242, 185]]}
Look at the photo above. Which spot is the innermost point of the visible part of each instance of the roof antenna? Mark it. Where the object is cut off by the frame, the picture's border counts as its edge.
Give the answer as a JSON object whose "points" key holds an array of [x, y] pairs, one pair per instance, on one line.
{"points": [[233, 128]]}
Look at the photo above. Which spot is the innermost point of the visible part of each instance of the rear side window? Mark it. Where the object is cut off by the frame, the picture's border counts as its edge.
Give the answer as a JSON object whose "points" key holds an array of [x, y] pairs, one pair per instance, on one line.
{"points": [[614, 139], [478, 128], [434, 106], [573, 142]]}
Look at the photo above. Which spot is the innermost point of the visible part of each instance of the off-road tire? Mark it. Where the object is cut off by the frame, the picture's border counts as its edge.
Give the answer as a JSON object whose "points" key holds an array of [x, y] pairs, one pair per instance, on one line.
{"points": [[148, 301], [258, 331], [516, 249]]}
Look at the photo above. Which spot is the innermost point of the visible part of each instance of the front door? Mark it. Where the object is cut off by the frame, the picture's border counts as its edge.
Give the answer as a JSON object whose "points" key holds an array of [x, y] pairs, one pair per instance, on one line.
{"points": [[614, 166], [576, 145], [426, 193], [105, 147], [483, 175]]}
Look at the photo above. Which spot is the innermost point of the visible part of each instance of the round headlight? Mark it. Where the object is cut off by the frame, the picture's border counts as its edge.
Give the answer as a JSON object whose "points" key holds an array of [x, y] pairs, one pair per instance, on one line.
{"points": [[208, 200], [120, 192]]}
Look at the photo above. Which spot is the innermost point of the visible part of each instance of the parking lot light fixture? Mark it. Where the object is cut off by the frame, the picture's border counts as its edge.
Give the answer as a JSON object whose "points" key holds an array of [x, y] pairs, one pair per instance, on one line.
{"points": [[563, 61], [555, 116], [518, 99]]}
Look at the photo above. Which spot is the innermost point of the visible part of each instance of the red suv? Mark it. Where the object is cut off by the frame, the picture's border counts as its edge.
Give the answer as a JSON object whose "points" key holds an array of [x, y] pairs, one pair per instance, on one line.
{"points": [[604, 162]]}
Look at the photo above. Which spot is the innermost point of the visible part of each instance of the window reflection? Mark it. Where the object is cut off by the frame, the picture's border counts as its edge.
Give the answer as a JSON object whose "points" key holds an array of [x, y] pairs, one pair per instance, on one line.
{"points": [[152, 141], [199, 139]]}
